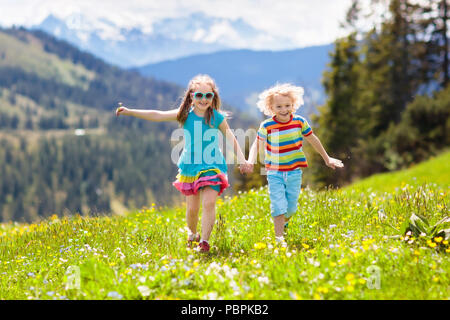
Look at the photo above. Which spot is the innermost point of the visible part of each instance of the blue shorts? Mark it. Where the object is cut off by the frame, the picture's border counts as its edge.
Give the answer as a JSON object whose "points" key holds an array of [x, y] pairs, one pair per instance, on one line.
{"points": [[284, 190]]}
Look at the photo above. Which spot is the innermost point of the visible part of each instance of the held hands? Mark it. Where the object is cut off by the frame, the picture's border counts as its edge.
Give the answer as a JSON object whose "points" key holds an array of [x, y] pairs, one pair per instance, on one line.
{"points": [[121, 110], [245, 168], [334, 163]]}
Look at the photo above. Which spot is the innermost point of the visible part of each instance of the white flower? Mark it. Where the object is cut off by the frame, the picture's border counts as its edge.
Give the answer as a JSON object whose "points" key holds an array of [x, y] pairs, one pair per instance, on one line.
{"points": [[144, 290], [212, 296], [263, 280], [115, 295]]}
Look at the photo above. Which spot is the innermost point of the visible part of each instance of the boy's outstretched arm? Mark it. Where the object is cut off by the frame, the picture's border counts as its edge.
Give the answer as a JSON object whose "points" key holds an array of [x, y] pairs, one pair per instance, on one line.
{"points": [[256, 148], [253, 152], [317, 145], [150, 115]]}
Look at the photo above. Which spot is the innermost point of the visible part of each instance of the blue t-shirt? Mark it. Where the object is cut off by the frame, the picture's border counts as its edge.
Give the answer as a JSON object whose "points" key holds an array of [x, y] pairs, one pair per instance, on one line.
{"points": [[201, 145]]}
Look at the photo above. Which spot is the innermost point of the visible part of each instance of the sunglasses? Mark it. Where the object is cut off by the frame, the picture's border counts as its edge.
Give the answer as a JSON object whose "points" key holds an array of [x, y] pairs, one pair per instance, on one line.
{"points": [[200, 95]]}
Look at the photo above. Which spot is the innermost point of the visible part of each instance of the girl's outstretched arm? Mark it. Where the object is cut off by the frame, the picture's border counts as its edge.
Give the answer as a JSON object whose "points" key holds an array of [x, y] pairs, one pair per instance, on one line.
{"points": [[226, 131], [150, 115], [317, 145]]}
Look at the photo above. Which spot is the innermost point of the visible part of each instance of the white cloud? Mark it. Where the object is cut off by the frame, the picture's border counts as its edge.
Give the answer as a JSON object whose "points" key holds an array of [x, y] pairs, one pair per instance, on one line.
{"points": [[221, 30], [303, 22]]}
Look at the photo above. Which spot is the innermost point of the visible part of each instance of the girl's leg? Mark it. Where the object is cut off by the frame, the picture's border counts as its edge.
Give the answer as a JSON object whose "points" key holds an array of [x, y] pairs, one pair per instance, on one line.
{"points": [[209, 197], [192, 208]]}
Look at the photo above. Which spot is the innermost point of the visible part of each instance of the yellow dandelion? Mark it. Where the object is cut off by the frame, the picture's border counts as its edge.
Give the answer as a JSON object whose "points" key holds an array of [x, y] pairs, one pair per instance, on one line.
{"points": [[305, 245], [322, 289], [438, 239], [349, 288], [349, 277], [326, 251], [259, 245]]}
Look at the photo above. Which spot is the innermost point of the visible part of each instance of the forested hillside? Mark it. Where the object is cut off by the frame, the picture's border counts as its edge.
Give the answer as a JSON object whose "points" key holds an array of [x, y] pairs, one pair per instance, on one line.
{"points": [[48, 90], [388, 93], [388, 89]]}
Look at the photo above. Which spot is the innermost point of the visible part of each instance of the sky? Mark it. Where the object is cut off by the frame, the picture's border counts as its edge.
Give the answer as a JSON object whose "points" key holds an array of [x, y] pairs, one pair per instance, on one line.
{"points": [[303, 22]]}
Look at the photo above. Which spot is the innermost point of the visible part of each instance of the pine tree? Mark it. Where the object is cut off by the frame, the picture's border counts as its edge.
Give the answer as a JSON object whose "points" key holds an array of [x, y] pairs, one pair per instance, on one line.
{"points": [[337, 123]]}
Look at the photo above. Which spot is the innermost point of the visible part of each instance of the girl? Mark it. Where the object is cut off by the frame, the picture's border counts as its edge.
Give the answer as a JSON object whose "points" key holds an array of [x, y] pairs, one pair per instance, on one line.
{"points": [[202, 174], [282, 136]]}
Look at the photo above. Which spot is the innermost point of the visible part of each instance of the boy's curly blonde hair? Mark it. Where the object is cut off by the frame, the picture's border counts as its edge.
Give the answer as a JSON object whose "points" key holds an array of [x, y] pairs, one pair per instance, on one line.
{"points": [[265, 99]]}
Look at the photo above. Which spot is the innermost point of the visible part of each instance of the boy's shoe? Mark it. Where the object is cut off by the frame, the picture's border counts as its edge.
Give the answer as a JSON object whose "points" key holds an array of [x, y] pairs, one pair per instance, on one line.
{"points": [[203, 246], [280, 241], [191, 242]]}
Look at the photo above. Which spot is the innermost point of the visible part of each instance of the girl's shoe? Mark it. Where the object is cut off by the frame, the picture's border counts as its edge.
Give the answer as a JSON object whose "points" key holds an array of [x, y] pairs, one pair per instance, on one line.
{"points": [[204, 246], [191, 242]]}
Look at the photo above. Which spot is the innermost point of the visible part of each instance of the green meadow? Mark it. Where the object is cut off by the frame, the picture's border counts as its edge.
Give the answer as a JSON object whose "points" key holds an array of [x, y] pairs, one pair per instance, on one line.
{"points": [[341, 244]]}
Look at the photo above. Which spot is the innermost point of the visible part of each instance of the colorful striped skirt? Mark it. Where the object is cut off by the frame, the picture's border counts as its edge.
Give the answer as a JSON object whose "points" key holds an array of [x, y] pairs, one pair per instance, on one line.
{"points": [[190, 185]]}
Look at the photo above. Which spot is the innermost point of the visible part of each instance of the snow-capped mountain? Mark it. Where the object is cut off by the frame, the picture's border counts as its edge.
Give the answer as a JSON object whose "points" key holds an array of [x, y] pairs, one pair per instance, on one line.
{"points": [[176, 49], [167, 39]]}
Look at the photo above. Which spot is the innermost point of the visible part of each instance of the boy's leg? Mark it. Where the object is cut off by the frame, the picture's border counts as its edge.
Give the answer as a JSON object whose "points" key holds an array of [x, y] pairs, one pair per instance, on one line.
{"points": [[278, 222], [209, 197], [192, 209], [278, 203], [293, 189]]}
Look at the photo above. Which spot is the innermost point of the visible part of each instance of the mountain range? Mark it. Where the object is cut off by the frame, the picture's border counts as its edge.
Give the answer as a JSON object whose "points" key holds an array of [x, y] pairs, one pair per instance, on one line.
{"points": [[176, 49], [243, 74], [169, 38]]}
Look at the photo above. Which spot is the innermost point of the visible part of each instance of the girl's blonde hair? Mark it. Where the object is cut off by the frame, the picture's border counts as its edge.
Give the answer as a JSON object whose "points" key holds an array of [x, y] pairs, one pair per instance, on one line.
{"points": [[186, 101], [265, 99]]}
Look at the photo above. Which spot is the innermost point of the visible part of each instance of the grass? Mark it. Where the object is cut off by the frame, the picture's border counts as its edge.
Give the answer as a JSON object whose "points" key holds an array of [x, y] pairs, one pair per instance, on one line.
{"points": [[338, 248]]}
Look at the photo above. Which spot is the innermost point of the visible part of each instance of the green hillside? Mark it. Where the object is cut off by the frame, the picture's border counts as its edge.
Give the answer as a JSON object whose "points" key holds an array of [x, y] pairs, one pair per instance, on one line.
{"points": [[436, 170], [48, 89], [338, 247], [341, 244], [28, 53]]}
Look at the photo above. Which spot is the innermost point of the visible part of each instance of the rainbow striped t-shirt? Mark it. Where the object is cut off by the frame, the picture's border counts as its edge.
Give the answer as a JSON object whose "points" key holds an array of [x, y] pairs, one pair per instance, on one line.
{"points": [[284, 141]]}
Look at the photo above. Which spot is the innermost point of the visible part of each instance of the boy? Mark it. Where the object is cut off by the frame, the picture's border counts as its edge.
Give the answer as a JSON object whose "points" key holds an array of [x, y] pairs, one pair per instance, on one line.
{"points": [[282, 138]]}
